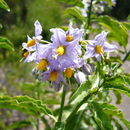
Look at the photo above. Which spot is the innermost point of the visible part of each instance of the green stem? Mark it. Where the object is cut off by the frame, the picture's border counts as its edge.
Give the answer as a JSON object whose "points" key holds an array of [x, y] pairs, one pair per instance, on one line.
{"points": [[89, 13], [62, 105], [87, 97]]}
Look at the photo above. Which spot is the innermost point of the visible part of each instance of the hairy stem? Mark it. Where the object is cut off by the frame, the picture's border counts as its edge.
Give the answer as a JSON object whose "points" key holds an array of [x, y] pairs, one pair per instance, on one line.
{"points": [[62, 105]]}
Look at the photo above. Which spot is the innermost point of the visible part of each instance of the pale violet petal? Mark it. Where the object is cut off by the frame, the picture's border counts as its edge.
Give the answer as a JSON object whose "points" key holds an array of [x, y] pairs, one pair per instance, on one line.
{"points": [[80, 77], [109, 47], [38, 28]]}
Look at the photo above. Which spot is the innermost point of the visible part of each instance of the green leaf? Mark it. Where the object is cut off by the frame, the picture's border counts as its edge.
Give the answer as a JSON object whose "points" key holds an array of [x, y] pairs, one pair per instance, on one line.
{"points": [[121, 83], [126, 24], [111, 110], [101, 117], [19, 124], [74, 12], [27, 105], [118, 97], [85, 89], [4, 5], [114, 26], [73, 2], [5, 43]]}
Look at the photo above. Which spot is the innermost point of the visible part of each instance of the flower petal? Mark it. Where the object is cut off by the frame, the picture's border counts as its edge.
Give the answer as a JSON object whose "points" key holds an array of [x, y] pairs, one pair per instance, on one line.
{"points": [[38, 28]]}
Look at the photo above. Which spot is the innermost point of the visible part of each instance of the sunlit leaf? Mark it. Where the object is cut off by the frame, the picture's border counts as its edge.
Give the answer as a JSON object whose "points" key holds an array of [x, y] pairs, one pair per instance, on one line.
{"points": [[4, 5], [85, 89], [74, 12], [103, 118], [114, 26], [26, 104], [120, 83]]}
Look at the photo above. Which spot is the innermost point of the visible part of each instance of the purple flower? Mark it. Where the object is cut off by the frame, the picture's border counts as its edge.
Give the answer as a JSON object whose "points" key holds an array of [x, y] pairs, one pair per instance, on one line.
{"points": [[30, 46], [54, 74], [98, 46], [65, 45]]}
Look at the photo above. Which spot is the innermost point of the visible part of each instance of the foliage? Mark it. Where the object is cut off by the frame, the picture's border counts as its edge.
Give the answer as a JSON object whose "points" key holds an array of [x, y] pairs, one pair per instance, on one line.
{"points": [[87, 104]]}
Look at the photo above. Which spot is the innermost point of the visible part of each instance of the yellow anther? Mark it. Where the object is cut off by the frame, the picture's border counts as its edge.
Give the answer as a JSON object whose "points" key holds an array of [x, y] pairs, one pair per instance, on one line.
{"points": [[69, 38], [31, 43], [42, 64], [25, 54], [69, 72], [99, 49], [53, 75], [60, 50]]}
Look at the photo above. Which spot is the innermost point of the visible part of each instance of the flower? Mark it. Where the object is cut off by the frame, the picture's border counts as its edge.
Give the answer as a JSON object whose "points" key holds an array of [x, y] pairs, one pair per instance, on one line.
{"points": [[30, 46], [31, 42], [98, 46], [54, 74], [65, 45], [43, 56]]}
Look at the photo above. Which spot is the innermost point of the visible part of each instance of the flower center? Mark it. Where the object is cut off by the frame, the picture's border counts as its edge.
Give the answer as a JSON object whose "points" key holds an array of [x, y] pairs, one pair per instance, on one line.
{"points": [[99, 49], [42, 64], [69, 72], [69, 38], [31, 43], [53, 75], [25, 54], [60, 50]]}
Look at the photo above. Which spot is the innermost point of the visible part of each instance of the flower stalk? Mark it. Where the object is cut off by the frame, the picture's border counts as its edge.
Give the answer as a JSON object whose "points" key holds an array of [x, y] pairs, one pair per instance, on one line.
{"points": [[62, 105]]}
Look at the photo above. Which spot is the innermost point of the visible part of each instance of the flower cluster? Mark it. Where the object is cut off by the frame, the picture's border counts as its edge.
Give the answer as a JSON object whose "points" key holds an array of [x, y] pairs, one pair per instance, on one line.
{"points": [[62, 58]]}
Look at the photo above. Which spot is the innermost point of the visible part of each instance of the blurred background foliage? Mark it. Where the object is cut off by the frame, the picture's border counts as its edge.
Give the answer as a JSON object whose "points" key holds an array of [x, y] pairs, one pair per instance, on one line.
{"points": [[15, 77]]}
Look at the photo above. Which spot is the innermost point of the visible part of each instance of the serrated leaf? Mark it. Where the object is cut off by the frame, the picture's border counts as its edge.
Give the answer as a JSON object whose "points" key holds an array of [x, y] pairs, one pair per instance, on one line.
{"points": [[112, 110], [84, 89], [102, 117], [120, 83], [18, 124], [5, 43], [27, 105], [4, 5], [73, 2], [114, 26], [74, 12]]}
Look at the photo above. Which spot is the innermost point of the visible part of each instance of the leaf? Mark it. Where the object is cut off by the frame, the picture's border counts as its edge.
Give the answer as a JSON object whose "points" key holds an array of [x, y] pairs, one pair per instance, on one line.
{"points": [[121, 83], [118, 97], [73, 2], [103, 118], [126, 24], [18, 124], [84, 89], [4, 5], [74, 12], [111, 110], [27, 105], [5, 43], [114, 26]]}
